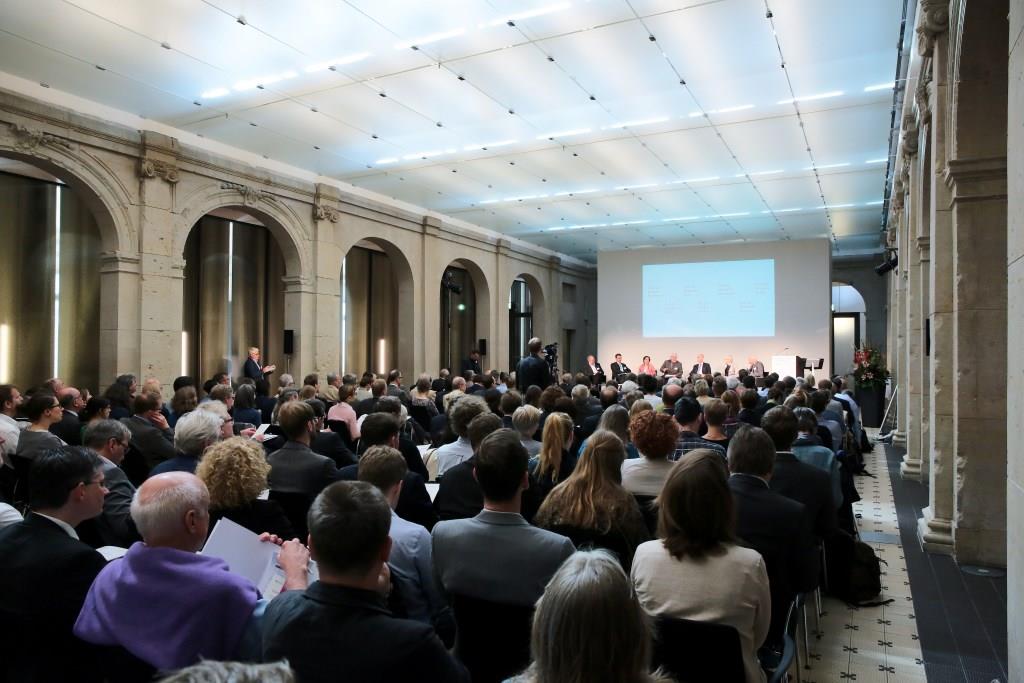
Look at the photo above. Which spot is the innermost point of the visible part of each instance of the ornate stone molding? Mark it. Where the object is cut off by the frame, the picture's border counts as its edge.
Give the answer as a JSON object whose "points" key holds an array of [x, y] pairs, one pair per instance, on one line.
{"points": [[119, 262], [923, 92], [251, 196], [933, 20], [29, 140], [322, 212], [976, 179], [154, 168], [909, 137]]}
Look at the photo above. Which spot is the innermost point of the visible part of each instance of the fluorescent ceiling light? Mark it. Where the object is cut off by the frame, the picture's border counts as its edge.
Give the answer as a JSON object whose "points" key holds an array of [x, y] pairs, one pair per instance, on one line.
{"points": [[877, 161], [427, 155], [729, 110], [876, 203], [489, 145], [339, 61], [734, 215], [563, 133], [554, 229], [772, 172], [629, 222], [811, 168], [637, 187], [573, 192], [386, 160], [216, 92], [680, 218], [242, 86], [634, 124], [529, 14], [432, 38], [696, 180], [838, 206], [788, 210], [489, 201], [524, 198], [809, 98], [881, 86]]}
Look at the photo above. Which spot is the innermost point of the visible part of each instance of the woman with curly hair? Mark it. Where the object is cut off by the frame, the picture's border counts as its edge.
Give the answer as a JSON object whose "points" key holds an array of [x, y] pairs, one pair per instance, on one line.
{"points": [[591, 508], [235, 471], [655, 435]]}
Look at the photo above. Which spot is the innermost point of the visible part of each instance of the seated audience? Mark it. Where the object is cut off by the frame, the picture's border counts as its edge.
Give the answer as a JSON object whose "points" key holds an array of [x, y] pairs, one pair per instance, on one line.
{"points": [[167, 604], [458, 494], [508, 404], [422, 396], [554, 463], [591, 508], [9, 515], [341, 623], [96, 408], [525, 420], [245, 409], [152, 437], [196, 431], [808, 449], [46, 571], [10, 428], [615, 419], [395, 409], [385, 468], [183, 402], [42, 410], [110, 440], [497, 556], [378, 388], [749, 411], [235, 473], [796, 480], [697, 570], [295, 468], [69, 429], [715, 414], [819, 401], [232, 672], [608, 396], [121, 394], [703, 391], [342, 411], [690, 418], [264, 401], [770, 523], [589, 626], [655, 435], [326, 442], [460, 413]]}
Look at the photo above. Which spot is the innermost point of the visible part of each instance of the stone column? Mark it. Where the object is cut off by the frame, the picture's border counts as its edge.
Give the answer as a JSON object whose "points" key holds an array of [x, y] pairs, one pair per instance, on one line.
{"points": [[898, 342], [327, 285], [502, 283], [935, 526], [435, 261], [119, 316], [299, 307], [1015, 340], [911, 179], [924, 276]]}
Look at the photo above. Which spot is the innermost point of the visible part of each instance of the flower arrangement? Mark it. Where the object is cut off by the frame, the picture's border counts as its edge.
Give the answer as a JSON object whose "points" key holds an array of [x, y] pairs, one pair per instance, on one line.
{"points": [[869, 369]]}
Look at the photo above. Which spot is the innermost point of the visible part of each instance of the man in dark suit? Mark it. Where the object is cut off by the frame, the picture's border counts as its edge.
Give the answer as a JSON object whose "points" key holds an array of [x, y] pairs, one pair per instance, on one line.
{"points": [[770, 523], [295, 468], [594, 371], [368, 405], [532, 369], [110, 440], [252, 367], [327, 442], [442, 383], [618, 367], [803, 483], [395, 387], [46, 571], [472, 364], [700, 367], [152, 438], [341, 622], [69, 429]]}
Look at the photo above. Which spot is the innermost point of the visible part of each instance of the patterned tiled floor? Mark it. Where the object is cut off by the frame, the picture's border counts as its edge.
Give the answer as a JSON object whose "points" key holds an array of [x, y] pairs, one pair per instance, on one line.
{"points": [[871, 644]]}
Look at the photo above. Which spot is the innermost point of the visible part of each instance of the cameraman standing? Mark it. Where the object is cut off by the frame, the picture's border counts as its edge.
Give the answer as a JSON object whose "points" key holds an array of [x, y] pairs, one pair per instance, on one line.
{"points": [[532, 369]]}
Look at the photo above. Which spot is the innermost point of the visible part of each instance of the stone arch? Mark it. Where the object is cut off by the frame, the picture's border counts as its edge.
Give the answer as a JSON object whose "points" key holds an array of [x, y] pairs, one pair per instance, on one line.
{"points": [[482, 288]]}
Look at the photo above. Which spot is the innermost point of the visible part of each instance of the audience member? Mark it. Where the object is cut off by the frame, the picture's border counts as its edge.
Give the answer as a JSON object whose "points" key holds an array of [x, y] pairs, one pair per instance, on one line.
{"points": [[497, 556], [696, 570], [121, 394], [46, 571], [615, 419], [183, 402], [690, 417], [152, 437], [378, 388], [325, 441], [460, 413], [808, 449], [235, 473], [655, 435], [532, 369], [591, 507], [554, 463], [393, 408], [295, 468], [167, 604], [110, 440], [69, 429], [340, 623], [749, 404], [245, 409], [232, 672], [42, 410], [715, 413], [819, 401], [196, 431], [342, 411], [507, 406], [458, 494]]}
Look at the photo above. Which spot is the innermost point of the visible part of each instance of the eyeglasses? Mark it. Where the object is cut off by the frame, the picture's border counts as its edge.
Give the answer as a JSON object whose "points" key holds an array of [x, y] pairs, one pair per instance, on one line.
{"points": [[102, 483]]}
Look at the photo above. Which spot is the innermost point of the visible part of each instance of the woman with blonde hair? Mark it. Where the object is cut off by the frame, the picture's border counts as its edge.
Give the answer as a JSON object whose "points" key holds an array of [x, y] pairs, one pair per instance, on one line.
{"points": [[591, 507], [235, 471], [588, 626], [553, 464], [696, 570], [703, 391]]}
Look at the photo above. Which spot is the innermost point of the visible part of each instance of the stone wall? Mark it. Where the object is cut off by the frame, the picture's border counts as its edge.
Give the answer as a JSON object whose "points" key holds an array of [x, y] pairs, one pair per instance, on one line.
{"points": [[148, 190]]}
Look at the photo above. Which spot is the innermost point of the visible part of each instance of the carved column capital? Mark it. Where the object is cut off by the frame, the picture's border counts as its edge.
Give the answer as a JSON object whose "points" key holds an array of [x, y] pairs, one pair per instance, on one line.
{"points": [[251, 196], [322, 212], [29, 140], [154, 168], [909, 137], [933, 20]]}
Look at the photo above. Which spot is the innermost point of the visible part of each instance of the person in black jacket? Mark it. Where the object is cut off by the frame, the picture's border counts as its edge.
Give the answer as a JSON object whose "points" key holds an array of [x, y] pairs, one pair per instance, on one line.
{"points": [[69, 429], [341, 623], [532, 369], [326, 442], [46, 571], [772, 524]]}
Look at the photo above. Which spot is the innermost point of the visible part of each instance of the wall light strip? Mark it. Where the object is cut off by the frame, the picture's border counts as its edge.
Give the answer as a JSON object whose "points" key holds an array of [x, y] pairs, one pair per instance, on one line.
{"points": [[184, 353], [5, 353], [824, 166], [881, 86], [56, 282], [382, 351]]}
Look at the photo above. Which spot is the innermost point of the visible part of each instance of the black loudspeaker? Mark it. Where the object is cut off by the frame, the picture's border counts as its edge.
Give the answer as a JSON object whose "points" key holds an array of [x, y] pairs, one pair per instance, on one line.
{"points": [[481, 346], [289, 342]]}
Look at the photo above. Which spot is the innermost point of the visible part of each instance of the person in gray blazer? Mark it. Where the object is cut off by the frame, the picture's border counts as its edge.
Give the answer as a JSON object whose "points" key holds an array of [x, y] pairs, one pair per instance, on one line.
{"points": [[110, 440], [497, 556], [295, 468]]}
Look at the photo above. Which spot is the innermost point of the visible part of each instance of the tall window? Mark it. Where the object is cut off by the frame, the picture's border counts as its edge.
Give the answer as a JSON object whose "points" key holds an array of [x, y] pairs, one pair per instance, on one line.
{"points": [[520, 321]]}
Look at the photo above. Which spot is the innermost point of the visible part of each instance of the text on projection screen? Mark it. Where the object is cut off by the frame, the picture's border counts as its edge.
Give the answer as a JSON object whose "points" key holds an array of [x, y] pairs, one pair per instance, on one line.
{"points": [[709, 299]]}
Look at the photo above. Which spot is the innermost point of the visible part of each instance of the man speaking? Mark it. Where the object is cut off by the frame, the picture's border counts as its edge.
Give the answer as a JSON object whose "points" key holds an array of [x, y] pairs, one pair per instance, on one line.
{"points": [[252, 369], [700, 367]]}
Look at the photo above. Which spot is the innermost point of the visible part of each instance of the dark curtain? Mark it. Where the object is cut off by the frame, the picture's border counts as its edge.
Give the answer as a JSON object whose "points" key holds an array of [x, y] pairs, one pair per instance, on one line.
{"points": [[462, 322], [370, 312]]}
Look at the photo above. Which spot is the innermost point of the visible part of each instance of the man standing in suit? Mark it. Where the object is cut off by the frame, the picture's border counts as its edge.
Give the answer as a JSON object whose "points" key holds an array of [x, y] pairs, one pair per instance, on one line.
{"points": [[594, 371], [295, 468], [497, 556], [341, 622], [532, 369], [700, 367], [472, 363], [755, 367], [618, 367], [252, 368], [46, 571], [69, 429], [770, 523], [672, 367]]}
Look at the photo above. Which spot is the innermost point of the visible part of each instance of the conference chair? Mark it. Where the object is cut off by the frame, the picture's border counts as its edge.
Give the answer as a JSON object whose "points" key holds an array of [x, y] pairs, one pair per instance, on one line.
{"points": [[650, 512], [698, 651], [296, 507], [492, 639], [789, 647]]}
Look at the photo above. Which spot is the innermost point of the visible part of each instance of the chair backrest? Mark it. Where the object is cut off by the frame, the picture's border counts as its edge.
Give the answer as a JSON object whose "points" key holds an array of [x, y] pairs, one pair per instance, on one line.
{"points": [[296, 507], [698, 651], [341, 427], [492, 638], [650, 512], [421, 415]]}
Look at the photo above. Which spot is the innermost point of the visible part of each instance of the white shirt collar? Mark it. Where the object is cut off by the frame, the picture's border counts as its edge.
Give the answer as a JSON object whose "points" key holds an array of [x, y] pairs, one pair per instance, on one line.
{"points": [[68, 529]]}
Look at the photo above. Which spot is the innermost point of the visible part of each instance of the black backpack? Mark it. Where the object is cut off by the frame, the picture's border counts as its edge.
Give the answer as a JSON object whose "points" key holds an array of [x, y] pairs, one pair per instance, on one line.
{"points": [[854, 572]]}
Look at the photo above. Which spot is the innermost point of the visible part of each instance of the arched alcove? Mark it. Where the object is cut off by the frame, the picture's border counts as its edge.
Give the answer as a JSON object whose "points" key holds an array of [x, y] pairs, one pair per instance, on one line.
{"points": [[465, 304], [54, 230], [849, 324], [377, 298], [525, 315]]}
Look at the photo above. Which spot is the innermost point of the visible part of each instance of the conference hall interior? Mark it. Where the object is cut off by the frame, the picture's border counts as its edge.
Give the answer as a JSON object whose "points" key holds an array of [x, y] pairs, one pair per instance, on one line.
{"points": [[535, 341]]}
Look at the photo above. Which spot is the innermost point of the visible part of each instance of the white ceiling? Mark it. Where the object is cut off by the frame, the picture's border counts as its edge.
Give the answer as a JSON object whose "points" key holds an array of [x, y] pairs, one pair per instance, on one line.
{"points": [[580, 126]]}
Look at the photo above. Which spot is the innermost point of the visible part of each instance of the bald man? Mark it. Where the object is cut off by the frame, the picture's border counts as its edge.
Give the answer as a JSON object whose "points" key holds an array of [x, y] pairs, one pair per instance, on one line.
{"points": [[169, 605]]}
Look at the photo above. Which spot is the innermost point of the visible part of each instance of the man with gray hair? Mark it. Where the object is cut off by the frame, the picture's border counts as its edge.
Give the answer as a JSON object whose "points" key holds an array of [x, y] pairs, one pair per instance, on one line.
{"points": [[167, 604], [192, 434], [329, 392], [110, 440], [460, 414]]}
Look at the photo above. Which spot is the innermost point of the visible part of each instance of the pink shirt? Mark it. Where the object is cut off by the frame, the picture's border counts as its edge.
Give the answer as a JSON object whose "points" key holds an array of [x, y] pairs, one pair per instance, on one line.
{"points": [[345, 413]]}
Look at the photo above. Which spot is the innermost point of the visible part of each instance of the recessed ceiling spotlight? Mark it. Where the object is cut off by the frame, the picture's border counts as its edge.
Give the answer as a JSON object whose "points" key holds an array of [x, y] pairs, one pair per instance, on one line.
{"points": [[165, 45], [382, 93], [439, 124], [512, 112], [101, 68], [550, 58], [651, 38], [241, 20], [316, 147], [593, 99], [45, 85], [374, 136], [197, 103], [461, 77], [313, 109]]}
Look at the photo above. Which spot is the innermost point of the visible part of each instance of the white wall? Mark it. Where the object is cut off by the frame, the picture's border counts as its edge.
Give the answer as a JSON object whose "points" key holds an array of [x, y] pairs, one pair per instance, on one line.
{"points": [[803, 320]]}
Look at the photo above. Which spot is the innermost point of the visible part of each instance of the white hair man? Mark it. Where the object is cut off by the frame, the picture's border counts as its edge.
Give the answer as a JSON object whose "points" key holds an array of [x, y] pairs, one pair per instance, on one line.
{"points": [[193, 433], [163, 601]]}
